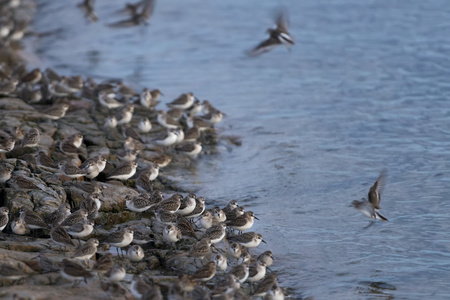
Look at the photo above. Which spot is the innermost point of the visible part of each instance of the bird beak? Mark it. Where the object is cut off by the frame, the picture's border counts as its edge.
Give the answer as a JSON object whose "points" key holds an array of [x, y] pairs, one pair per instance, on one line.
{"points": [[263, 241], [256, 218]]}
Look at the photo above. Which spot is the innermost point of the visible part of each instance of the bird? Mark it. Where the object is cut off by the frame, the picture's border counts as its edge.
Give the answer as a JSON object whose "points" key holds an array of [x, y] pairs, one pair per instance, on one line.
{"points": [[235, 249], [188, 204], [70, 170], [81, 229], [31, 218], [266, 257], [166, 139], [75, 217], [7, 144], [4, 218], [265, 285], [32, 77], [171, 234], [257, 271], [60, 236], [139, 287], [241, 272], [135, 253], [206, 272], [207, 219], [123, 171], [138, 17], [44, 160], [31, 138], [184, 101], [215, 233], [230, 206], [19, 227], [138, 204], [274, 293], [238, 211], [243, 222], [277, 36], [120, 239], [88, 8], [370, 207], [144, 125], [56, 111], [8, 87], [116, 273], [165, 217], [189, 149], [5, 172], [74, 271], [186, 228], [199, 208], [171, 204], [58, 215], [21, 182], [248, 239], [144, 184], [104, 263], [87, 250], [166, 121], [125, 115], [201, 249], [221, 261]]}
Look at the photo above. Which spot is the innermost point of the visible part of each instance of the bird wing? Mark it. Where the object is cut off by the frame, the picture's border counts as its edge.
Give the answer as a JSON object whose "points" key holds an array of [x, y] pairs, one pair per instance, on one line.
{"points": [[375, 190], [282, 21], [147, 9], [265, 46]]}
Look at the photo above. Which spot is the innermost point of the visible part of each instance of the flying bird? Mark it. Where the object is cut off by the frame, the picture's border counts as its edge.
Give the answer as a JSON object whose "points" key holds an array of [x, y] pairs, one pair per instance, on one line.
{"points": [[88, 8], [370, 207], [277, 36], [139, 15]]}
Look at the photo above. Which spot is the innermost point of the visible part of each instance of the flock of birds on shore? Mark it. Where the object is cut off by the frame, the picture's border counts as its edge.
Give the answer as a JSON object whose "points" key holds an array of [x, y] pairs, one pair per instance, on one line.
{"points": [[181, 217], [183, 125]]}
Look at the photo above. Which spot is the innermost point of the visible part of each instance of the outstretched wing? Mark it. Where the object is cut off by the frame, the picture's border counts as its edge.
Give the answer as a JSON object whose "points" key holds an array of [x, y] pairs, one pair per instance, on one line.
{"points": [[265, 46], [375, 190]]}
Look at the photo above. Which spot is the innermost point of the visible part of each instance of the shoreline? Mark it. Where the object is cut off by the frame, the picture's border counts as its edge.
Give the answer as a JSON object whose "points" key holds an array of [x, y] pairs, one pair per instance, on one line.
{"points": [[161, 265]]}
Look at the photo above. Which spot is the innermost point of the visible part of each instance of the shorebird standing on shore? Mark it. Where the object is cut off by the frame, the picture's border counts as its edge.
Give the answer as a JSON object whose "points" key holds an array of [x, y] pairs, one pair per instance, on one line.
{"points": [[71, 144], [7, 144], [184, 101], [32, 219], [135, 253], [144, 125], [44, 160], [248, 239], [120, 239], [74, 272], [70, 170], [124, 171], [4, 218], [31, 138], [5, 173], [56, 111]]}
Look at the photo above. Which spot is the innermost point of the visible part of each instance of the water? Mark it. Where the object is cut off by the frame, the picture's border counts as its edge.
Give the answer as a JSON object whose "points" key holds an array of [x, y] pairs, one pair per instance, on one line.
{"points": [[363, 89]]}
